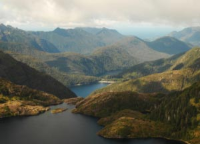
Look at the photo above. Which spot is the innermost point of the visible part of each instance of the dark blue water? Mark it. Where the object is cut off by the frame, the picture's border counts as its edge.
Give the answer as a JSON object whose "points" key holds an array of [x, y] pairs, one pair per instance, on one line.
{"points": [[85, 90], [62, 128]]}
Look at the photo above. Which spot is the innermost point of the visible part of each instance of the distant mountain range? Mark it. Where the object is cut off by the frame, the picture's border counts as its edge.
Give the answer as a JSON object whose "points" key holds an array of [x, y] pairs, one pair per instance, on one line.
{"points": [[169, 45], [14, 35], [106, 50], [82, 40], [189, 35], [137, 48], [79, 40]]}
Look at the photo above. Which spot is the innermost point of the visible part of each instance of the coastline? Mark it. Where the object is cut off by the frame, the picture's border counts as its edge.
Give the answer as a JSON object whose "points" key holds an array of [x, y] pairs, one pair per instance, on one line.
{"points": [[101, 81], [105, 81]]}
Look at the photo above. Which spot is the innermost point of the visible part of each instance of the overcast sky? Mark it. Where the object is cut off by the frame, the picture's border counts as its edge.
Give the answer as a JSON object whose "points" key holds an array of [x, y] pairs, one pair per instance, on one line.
{"points": [[143, 18]]}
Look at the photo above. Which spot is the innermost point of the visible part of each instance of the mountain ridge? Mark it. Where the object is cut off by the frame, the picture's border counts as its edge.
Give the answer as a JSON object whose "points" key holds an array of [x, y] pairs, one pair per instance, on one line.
{"points": [[20, 73]]}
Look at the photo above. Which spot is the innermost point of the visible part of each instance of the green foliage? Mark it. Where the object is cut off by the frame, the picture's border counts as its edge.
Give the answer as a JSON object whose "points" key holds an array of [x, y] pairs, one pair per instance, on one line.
{"points": [[161, 76], [79, 40], [105, 104], [148, 68], [17, 92], [10, 34], [189, 35], [124, 131], [169, 45], [64, 78], [175, 115], [178, 110], [3, 99], [22, 74]]}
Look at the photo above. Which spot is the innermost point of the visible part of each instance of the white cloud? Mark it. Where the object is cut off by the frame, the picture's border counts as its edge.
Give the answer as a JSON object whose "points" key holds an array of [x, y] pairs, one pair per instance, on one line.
{"points": [[72, 13]]}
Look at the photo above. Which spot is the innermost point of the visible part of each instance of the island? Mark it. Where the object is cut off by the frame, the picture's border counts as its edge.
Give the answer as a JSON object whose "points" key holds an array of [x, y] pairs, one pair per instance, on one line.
{"points": [[58, 110]]}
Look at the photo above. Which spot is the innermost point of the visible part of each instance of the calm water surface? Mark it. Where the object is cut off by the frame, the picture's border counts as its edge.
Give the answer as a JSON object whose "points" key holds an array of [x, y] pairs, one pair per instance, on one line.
{"points": [[62, 128], [85, 90]]}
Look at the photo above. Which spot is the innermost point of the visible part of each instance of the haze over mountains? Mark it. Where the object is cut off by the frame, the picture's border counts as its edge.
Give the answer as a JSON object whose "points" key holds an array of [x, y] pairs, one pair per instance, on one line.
{"points": [[106, 49], [100, 58], [46, 62], [190, 35], [80, 40]]}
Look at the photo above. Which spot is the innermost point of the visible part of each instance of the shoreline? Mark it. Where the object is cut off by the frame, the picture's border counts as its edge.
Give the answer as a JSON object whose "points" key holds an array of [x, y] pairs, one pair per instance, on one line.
{"points": [[101, 81], [105, 81]]}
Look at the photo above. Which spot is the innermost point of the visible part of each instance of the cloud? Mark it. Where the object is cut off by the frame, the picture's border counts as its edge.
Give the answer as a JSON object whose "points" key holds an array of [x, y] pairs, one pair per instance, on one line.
{"points": [[73, 13]]}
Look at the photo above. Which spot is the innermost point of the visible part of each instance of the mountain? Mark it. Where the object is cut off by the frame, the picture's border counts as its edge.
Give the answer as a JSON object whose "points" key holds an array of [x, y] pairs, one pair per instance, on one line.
{"points": [[137, 48], [10, 34], [64, 78], [118, 56], [97, 63], [175, 74], [91, 30], [105, 104], [190, 35], [131, 115], [22, 74], [18, 100], [79, 40], [148, 68], [72, 63], [169, 45]]}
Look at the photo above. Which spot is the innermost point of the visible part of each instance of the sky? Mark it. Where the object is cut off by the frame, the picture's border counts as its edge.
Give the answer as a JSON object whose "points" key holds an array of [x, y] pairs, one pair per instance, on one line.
{"points": [[143, 18]]}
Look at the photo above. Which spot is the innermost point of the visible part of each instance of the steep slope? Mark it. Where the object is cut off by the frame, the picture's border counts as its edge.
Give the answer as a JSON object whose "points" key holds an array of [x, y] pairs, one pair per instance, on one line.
{"points": [[109, 36], [169, 45], [176, 62], [148, 68], [182, 74], [62, 77], [17, 100], [97, 63], [190, 35], [122, 114], [105, 104], [79, 40], [22, 74], [182, 111], [10, 34], [132, 115], [165, 82], [137, 48]]}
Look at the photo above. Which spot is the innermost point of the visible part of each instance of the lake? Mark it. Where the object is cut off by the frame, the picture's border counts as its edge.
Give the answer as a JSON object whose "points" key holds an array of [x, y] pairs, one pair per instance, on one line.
{"points": [[85, 90], [61, 128]]}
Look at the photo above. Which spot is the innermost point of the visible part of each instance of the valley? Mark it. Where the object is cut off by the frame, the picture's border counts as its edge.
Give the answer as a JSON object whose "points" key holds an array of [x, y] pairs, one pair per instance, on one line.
{"points": [[132, 86]]}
